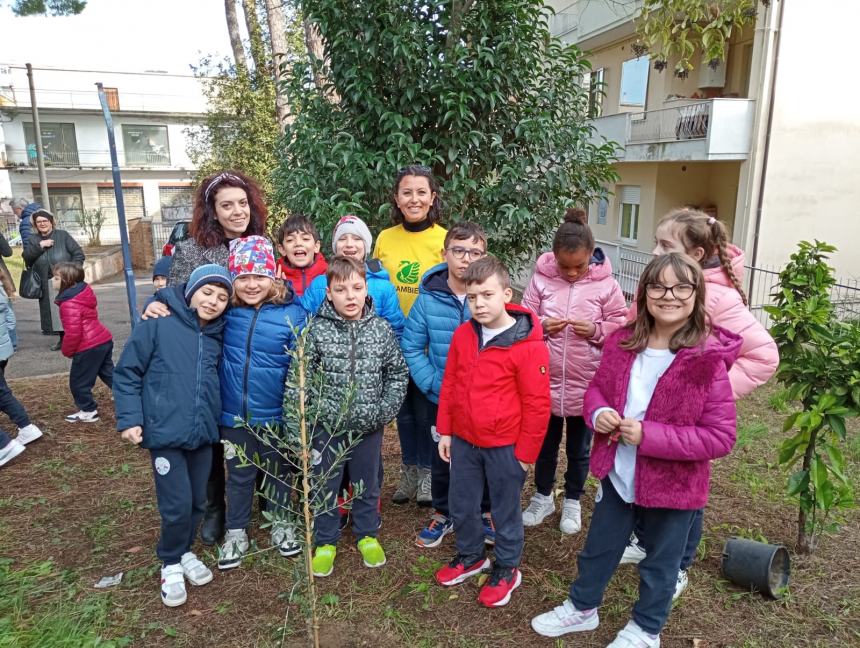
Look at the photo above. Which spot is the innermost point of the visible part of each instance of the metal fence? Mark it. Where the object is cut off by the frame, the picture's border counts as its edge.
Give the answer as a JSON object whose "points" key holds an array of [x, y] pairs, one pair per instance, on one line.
{"points": [[760, 283], [671, 124], [160, 234]]}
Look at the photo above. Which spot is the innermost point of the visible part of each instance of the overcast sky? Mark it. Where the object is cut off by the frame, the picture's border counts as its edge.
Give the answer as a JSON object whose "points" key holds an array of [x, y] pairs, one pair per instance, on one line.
{"points": [[127, 35]]}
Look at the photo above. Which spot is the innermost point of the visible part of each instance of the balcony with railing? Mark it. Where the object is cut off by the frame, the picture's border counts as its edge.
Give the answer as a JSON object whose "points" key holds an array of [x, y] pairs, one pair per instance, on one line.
{"points": [[716, 129], [146, 158]]}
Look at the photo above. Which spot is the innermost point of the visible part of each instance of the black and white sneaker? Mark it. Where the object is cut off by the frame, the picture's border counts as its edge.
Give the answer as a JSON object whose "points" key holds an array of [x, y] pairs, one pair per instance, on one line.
{"points": [[83, 417]]}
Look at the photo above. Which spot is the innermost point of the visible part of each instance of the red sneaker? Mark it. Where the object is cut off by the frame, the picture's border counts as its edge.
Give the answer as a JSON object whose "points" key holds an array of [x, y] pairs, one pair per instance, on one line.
{"points": [[503, 581], [457, 571]]}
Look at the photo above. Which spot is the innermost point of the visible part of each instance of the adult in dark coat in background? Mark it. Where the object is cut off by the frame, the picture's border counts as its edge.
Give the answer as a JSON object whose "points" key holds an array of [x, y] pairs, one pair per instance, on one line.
{"points": [[46, 247]]}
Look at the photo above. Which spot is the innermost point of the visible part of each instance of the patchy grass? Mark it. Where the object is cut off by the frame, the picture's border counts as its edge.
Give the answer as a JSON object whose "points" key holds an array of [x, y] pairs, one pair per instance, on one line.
{"points": [[88, 510]]}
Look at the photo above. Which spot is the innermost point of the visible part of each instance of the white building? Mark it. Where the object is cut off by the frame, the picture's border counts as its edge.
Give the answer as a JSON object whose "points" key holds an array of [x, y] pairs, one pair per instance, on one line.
{"points": [[768, 142], [150, 111]]}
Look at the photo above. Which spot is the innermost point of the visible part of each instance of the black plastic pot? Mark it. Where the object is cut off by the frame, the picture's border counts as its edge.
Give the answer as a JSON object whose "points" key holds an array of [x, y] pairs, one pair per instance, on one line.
{"points": [[750, 564]]}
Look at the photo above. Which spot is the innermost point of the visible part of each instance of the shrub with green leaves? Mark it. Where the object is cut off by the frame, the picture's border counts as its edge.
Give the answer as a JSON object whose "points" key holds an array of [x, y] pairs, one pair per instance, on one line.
{"points": [[820, 368], [479, 91]]}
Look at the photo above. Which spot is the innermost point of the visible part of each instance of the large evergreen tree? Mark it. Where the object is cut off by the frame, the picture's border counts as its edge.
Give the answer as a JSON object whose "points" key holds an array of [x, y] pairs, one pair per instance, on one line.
{"points": [[479, 91]]}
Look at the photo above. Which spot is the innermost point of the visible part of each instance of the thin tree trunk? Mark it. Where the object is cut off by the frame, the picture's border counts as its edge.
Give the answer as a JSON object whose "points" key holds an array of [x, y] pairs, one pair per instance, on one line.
{"points": [[255, 35], [277, 34], [235, 38], [459, 9], [805, 540], [314, 44]]}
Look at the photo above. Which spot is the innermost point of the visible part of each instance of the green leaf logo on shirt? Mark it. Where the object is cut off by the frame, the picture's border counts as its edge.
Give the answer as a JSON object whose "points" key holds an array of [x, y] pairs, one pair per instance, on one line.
{"points": [[408, 272]]}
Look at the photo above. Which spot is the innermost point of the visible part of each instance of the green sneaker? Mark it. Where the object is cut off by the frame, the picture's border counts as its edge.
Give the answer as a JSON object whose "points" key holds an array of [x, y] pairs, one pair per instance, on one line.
{"points": [[371, 551], [323, 561]]}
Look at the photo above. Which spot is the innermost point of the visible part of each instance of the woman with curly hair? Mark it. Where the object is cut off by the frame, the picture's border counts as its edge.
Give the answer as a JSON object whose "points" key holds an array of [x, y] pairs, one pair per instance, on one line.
{"points": [[227, 206]]}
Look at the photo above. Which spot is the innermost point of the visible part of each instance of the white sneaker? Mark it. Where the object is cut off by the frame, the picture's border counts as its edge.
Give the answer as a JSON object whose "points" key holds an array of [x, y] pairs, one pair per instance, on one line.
{"points": [[633, 554], [284, 538], [28, 433], [235, 546], [632, 636], [10, 451], [195, 571], [173, 586], [564, 619], [539, 509], [571, 517], [83, 417], [680, 584]]}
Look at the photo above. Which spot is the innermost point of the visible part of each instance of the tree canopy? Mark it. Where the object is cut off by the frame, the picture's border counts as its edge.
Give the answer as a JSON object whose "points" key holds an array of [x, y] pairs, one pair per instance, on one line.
{"points": [[48, 7], [478, 91]]}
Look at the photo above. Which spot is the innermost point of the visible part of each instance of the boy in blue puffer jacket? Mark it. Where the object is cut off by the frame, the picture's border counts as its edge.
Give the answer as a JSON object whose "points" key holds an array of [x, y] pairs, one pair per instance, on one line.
{"points": [[351, 238], [440, 308], [167, 397], [258, 337]]}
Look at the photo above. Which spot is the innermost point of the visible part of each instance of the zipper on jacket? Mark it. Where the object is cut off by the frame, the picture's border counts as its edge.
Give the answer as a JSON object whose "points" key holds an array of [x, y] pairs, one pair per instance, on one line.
{"points": [[199, 372], [247, 368], [352, 339], [564, 350]]}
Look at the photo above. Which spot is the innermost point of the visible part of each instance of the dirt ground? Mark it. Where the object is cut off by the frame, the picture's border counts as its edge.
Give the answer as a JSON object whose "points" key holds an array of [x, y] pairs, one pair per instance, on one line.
{"points": [[85, 501]]}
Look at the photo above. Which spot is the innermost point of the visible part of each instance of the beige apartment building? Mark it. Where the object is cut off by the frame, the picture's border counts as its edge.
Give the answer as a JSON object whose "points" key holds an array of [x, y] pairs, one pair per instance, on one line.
{"points": [[769, 142]]}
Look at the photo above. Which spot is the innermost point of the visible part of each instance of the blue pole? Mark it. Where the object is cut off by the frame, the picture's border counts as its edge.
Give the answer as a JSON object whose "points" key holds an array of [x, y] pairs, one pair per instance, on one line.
{"points": [[120, 211]]}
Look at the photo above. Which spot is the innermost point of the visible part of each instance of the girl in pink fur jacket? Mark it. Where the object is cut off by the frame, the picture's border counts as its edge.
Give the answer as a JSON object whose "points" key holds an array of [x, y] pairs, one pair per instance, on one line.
{"points": [[704, 238], [579, 304], [662, 406]]}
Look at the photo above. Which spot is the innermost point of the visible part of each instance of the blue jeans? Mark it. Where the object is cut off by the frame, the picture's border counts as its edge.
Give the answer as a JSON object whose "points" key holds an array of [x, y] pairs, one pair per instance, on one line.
{"points": [[612, 522], [413, 428], [693, 538], [5, 439], [10, 405]]}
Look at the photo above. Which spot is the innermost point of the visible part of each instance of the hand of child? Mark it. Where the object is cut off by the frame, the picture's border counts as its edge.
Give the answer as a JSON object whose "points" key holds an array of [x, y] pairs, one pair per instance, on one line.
{"points": [[607, 422], [524, 465], [445, 448], [133, 434], [583, 329], [279, 272], [631, 431], [155, 310], [551, 325]]}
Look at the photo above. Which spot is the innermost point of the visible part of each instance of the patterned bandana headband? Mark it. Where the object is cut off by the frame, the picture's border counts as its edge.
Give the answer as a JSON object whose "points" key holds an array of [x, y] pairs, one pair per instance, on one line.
{"points": [[218, 179]]}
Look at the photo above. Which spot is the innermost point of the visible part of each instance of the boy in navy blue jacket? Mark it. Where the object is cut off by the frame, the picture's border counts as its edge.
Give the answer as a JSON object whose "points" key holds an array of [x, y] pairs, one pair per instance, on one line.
{"points": [[168, 400], [440, 308]]}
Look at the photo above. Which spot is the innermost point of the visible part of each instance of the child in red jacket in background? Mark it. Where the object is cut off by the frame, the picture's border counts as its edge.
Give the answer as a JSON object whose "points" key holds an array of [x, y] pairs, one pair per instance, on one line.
{"points": [[494, 407], [299, 246], [87, 341]]}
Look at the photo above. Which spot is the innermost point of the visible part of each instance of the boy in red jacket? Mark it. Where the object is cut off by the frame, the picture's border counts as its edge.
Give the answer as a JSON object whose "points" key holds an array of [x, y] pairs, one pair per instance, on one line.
{"points": [[299, 246], [494, 407]]}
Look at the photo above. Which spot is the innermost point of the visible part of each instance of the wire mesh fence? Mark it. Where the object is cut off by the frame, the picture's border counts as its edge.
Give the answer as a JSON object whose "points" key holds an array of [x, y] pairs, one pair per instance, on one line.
{"points": [[760, 283]]}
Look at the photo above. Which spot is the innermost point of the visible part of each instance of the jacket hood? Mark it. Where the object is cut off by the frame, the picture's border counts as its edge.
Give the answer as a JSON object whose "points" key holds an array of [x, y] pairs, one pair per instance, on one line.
{"points": [[174, 297], [29, 210], [375, 269], [435, 280], [327, 311], [717, 275], [74, 291], [598, 268], [526, 327], [725, 343]]}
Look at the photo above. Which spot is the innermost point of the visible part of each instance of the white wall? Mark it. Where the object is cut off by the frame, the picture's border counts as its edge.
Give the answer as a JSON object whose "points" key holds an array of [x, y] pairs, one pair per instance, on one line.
{"points": [[813, 167]]}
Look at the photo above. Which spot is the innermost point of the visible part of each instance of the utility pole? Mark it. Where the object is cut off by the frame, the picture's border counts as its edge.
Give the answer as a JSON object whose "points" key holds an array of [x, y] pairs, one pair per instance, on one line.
{"points": [[130, 289], [37, 129]]}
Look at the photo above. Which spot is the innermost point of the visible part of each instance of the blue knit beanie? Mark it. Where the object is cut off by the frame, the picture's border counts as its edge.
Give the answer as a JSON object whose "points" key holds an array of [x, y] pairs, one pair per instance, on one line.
{"points": [[210, 273], [162, 267]]}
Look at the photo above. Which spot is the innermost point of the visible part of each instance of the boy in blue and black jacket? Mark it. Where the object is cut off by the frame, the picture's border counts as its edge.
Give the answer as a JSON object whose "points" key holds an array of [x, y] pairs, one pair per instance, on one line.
{"points": [[440, 308], [167, 395]]}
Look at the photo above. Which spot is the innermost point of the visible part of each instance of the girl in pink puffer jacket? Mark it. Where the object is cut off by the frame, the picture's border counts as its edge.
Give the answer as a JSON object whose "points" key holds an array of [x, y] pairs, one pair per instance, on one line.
{"points": [[662, 408], [579, 304], [704, 238]]}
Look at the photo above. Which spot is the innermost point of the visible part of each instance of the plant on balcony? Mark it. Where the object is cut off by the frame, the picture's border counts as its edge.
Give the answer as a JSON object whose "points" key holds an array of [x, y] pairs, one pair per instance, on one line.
{"points": [[820, 368], [478, 91], [670, 29], [91, 221]]}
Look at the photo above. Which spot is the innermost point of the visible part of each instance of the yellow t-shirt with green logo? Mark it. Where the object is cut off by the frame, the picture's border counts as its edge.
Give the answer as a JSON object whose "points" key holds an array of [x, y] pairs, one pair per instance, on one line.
{"points": [[407, 256]]}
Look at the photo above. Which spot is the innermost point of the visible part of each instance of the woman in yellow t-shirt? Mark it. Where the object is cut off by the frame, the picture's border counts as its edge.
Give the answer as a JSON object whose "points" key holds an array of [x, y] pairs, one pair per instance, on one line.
{"points": [[408, 250]]}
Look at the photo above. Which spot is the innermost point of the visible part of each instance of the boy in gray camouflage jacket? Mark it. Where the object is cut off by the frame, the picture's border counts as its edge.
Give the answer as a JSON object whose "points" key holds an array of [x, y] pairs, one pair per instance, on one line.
{"points": [[355, 355]]}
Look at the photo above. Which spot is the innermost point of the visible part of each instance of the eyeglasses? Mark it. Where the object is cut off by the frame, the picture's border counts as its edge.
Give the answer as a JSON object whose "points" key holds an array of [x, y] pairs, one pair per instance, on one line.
{"points": [[460, 252], [681, 291]]}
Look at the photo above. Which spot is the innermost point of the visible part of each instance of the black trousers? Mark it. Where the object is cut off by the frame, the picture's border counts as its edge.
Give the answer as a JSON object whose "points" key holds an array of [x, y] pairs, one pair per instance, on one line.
{"points": [[86, 367], [578, 449]]}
